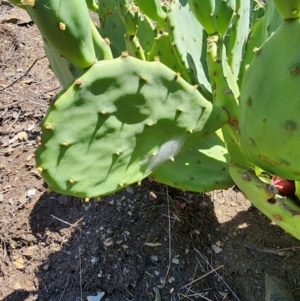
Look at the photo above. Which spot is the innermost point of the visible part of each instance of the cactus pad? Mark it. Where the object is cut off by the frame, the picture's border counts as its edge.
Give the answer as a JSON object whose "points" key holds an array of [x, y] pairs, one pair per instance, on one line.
{"points": [[189, 45], [214, 15], [112, 28], [146, 34], [288, 9], [269, 105], [239, 35], [64, 71], [202, 168], [153, 9], [105, 130], [67, 27], [163, 50], [284, 211]]}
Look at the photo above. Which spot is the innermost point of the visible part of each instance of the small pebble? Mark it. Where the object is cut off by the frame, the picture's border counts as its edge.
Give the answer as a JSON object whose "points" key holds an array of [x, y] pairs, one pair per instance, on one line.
{"points": [[129, 190], [154, 258], [216, 249], [175, 260]]}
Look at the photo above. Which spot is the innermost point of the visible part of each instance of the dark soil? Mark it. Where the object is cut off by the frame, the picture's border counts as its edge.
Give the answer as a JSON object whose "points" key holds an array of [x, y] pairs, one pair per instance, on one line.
{"points": [[144, 243]]}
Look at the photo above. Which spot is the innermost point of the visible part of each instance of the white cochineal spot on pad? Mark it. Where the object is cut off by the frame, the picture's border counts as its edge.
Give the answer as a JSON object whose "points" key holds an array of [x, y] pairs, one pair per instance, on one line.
{"points": [[167, 151]]}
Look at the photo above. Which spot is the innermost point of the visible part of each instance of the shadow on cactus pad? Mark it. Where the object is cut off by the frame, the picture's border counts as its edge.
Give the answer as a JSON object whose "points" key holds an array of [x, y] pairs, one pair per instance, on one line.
{"points": [[102, 133]]}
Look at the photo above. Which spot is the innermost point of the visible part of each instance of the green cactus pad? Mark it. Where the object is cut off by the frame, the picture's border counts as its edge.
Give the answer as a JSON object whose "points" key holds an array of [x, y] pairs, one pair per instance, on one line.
{"points": [[201, 168], [163, 50], [146, 34], [255, 40], [118, 122], [153, 9], [224, 14], [189, 45], [112, 28], [64, 71], [134, 47], [265, 22], [204, 10], [67, 27], [130, 15], [214, 15], [288, 9], [269, 104], [284, 211], [225, 95], [272, 20], [239, 35], [92, 5], [102, 49]]}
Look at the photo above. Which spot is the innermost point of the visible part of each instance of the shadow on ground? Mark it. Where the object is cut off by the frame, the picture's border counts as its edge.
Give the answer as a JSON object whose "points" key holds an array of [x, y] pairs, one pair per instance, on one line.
{"points": [[121, 245]]}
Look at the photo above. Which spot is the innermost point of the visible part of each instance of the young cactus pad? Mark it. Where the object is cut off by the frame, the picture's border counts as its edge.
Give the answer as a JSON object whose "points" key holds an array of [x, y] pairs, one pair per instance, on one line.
{"points": [[153, 9], [102, 133], [214, 15], [67, 27]]}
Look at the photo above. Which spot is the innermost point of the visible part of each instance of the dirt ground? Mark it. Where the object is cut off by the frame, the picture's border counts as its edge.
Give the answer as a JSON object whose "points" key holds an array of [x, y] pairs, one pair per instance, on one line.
{"points": [[144, 243]]}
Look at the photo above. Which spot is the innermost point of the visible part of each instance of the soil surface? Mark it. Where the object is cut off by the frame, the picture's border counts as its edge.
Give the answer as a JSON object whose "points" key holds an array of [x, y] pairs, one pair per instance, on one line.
{"points": [[144, 243]]}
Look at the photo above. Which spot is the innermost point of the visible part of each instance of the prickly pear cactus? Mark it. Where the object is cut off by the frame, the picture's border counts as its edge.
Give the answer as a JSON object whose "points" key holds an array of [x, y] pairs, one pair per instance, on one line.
{"points": [[201, 168], [238, 35], [119, 121], [130, 15], [162, 50], [189, 48], [269, 106], [67, 27], [284, 211], [215, 66], [288, 9], [272, 20], [64, 71], [112, 27], [153, 9], [214, 15]]}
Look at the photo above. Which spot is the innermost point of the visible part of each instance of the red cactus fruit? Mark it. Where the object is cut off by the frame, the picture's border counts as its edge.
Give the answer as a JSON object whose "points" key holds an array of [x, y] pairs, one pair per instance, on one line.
{"points": [[286, 187]]}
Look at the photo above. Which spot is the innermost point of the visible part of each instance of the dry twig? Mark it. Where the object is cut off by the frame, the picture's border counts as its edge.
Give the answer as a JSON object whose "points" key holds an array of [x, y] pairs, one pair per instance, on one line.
{"points": [[267, 250], [80, 273], [203, 276], [170, 236], [28, 70], [31, 101], [14, 120], [72, 225], [221, 278], [63, 292]]}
